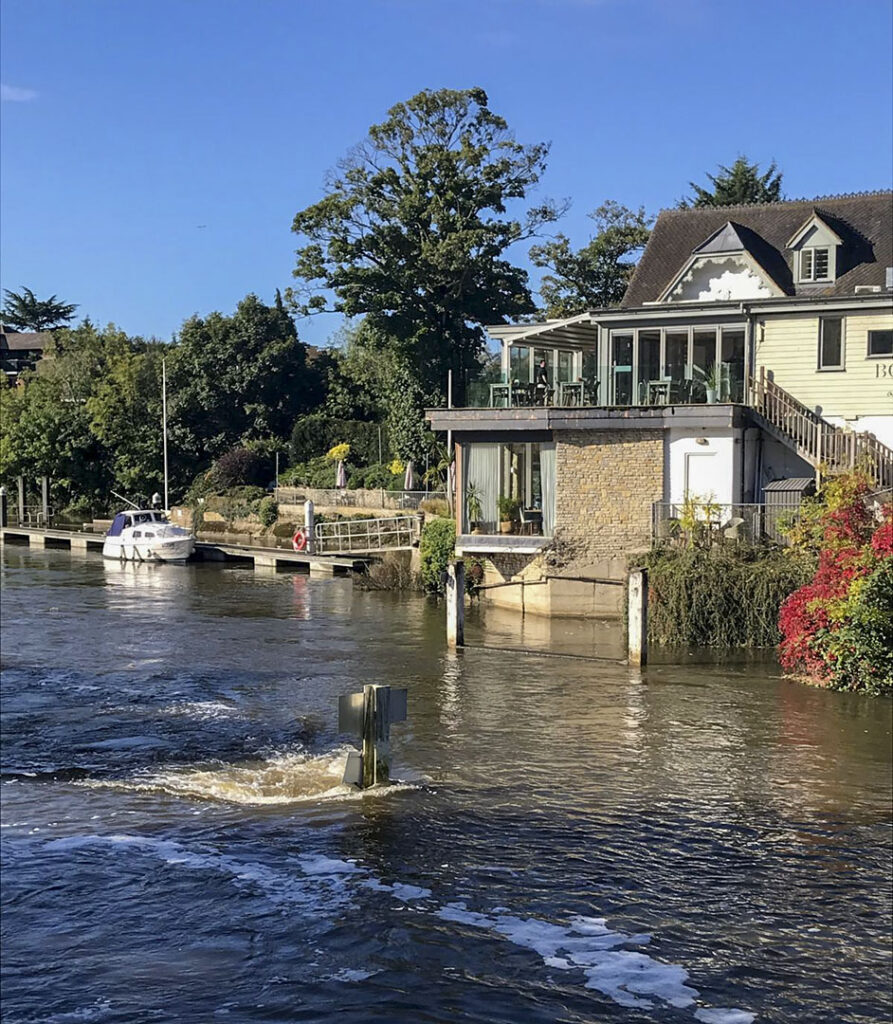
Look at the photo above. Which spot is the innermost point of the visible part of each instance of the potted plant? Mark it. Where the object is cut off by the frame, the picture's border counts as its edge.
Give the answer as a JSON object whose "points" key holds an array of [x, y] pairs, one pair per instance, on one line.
{"points": [[474, 508], [712, 381], [509, 509]]}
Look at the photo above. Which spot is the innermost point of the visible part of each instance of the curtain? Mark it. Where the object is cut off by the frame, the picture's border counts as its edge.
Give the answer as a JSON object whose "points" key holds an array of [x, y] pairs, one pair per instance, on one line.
{"points": [[482, 470], [547, 482]]}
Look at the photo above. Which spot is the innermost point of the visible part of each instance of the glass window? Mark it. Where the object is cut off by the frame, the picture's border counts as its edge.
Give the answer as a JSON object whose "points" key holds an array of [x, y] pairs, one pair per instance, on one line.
{"points": [[649, 361], [831, 343], [703, 359], [676, 356], [821, 265], [622, 368], [815, 264], [523, 472], [732, 365], [520, 363], [806, 265], [565, 366], [880, 343]]}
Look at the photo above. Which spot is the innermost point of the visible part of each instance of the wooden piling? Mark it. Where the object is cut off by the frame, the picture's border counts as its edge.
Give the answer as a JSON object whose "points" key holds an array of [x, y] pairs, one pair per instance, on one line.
{"points": [[455, 603], [638, 618]]}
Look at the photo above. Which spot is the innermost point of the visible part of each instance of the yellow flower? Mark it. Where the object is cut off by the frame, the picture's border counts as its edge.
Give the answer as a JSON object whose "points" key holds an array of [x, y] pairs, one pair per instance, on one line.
{"points": [[339, 453], [396, 467]]}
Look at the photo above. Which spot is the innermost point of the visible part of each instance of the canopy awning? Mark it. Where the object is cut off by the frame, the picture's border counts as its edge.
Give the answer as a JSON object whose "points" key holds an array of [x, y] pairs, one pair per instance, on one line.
{"points": [[576, 332]]}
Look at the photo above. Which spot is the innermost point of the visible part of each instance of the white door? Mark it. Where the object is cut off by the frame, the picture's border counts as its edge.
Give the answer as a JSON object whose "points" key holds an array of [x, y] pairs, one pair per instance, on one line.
{"points": [[701, 469]]}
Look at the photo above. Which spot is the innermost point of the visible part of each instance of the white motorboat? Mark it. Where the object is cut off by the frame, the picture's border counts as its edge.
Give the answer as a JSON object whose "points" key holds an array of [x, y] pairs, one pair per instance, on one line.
{"points": [[146, 535]]}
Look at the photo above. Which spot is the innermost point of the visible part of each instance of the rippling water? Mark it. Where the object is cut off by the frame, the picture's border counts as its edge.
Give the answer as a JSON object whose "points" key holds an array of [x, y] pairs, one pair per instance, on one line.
{"points": [[569, 842]]}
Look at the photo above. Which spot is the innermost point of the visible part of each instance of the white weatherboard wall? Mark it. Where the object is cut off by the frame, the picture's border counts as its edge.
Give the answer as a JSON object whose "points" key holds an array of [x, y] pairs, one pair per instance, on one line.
{"points": [[704, 465]]}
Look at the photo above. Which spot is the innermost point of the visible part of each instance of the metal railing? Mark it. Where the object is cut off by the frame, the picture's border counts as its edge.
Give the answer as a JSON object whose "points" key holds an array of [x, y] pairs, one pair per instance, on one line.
{"points": [[821, 443], [359, 535], [33, 515], [707, 523]]}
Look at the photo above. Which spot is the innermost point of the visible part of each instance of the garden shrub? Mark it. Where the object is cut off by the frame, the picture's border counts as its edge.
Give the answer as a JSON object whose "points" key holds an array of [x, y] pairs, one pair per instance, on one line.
{"points": [[240, 467], [436, 548], [268, 511], [722, 597], [435, 507], [837, 630]]}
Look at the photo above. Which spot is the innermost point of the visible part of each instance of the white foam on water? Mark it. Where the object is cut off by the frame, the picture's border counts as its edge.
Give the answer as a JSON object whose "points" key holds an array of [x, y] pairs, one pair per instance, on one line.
{"points": [[322, 884], [723, 1016], [95, 1011], [282, 778], [628, 977], [313, 890], [203, 709]]}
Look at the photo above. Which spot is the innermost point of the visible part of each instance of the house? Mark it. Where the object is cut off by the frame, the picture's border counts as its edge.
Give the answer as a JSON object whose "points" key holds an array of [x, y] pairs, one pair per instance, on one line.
{"points": [[20, 350], [754, 345]]}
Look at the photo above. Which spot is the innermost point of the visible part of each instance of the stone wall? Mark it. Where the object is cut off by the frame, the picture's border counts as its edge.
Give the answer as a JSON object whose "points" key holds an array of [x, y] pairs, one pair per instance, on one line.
{"points": [[606, 481]]}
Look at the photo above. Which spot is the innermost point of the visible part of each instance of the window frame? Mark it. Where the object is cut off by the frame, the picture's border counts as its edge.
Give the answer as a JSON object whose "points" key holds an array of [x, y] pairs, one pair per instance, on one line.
{"points": [[841, 366], [879, 355], [811, 278]]}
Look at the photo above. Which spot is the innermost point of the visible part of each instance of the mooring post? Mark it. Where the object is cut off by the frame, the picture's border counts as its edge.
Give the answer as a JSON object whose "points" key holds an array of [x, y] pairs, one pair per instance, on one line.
{"points": [[309, 527], [638, 617], [21, 483], [455, 602], [45, 499], [3, 519]]}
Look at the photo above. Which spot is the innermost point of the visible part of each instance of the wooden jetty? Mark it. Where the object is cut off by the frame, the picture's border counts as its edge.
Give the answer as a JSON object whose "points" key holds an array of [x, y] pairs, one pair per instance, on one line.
{"points": [[260, 557]]}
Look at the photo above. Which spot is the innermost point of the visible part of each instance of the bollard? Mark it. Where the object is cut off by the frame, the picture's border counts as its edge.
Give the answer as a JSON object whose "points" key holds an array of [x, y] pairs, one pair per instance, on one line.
{"points": [[3, 518], [309, 527], [45, 499], [21, 481], [638, 617], [455, 603], [370, 715]]}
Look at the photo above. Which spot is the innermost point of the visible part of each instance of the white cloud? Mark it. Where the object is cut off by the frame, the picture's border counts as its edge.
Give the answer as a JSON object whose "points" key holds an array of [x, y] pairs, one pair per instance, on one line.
{"points": [[15, 94]]}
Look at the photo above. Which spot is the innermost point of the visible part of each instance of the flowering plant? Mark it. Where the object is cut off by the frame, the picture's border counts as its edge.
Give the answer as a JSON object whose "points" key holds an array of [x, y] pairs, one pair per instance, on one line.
{"points": [[396, 467], [338, 453], [837, 631]]}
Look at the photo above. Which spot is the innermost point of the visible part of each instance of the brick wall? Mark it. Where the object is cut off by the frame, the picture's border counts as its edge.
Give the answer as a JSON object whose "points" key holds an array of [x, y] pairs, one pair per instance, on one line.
{"points": [[606, 481]]}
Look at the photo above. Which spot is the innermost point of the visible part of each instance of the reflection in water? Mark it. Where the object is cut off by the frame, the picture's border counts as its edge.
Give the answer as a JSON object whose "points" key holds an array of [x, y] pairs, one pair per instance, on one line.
{"points": [[585, 843]]}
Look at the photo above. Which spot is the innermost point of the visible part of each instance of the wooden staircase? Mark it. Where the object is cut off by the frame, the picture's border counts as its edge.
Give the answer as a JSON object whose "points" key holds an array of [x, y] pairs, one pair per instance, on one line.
{"points": [[827, 448]]}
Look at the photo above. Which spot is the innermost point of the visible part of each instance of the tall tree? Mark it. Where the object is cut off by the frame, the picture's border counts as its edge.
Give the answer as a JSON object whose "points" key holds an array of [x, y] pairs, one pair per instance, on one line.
{"points": [[740, 184], [235, 380], [24, 311], [414, 229], [596, 275]]}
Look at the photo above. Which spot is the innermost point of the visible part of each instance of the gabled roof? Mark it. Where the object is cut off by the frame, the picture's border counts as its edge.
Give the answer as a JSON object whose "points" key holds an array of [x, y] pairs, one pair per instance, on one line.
{"points": [[24, 341], [864, 223]]}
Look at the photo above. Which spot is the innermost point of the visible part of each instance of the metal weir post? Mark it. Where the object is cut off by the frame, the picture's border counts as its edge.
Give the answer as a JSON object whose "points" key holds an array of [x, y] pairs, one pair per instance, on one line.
{"points": [[638, 617], [455, 603], [369, 715]]}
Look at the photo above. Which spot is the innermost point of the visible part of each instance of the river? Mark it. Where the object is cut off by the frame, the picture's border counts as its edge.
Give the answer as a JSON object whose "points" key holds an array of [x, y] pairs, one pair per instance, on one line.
{"points": [[569, 841]]}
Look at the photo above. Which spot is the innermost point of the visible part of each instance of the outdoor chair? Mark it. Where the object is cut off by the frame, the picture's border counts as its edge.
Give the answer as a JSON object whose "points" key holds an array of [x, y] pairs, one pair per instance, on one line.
{"points": [[531, 520], [731, 529]]}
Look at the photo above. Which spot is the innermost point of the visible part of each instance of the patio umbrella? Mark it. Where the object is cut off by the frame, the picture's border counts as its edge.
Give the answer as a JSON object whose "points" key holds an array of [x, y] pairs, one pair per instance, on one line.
{"points": [[340, 475], [409, 479]]}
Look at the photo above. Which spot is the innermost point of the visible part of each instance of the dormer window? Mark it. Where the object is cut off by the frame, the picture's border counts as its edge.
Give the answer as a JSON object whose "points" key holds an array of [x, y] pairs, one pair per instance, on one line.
{"points": [[814, 248], [815, 264]]}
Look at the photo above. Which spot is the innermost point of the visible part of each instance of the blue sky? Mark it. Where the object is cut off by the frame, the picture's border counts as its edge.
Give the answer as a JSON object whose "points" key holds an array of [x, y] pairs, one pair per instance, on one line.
{"points": [[155, 152]]}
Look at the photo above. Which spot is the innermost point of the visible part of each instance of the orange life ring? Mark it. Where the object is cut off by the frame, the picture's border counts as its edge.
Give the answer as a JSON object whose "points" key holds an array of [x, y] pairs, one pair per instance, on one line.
{"points": [[299, 541]]}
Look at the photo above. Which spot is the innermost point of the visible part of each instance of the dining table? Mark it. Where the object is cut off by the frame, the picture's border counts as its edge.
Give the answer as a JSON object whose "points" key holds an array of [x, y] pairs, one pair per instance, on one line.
{"points": [[659, 392], [570, 392]]}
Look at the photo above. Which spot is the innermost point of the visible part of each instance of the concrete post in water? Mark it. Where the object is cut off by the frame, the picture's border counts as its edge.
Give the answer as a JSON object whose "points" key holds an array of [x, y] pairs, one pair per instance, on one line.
{"points": [[45, 499], [3, 507], [309, 526], [21, 482], [369, 715], [638, 617], [455, 603]]}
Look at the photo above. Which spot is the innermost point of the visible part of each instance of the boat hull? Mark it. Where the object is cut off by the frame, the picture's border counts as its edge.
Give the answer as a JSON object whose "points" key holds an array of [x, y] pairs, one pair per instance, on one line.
{"points": [[151, 550]]}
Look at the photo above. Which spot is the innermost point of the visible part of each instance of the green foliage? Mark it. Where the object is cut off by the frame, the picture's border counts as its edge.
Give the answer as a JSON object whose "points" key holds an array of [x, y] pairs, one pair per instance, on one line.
{"points": [[239, 467], [509, 508], [837, 496], [413, 230], [235, 380], [596, 275], [24, 311], [722, 597], [436, 547], [268, 511], [316, 433], [474, 508], [862, 648], [740, 184]]}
